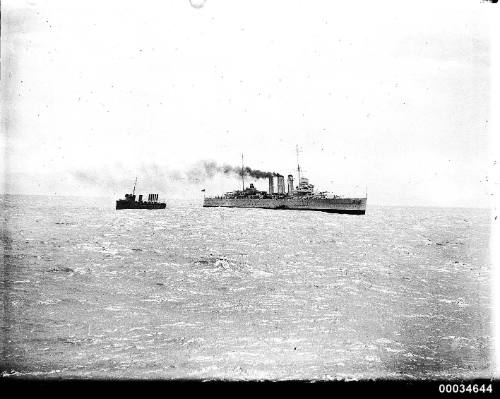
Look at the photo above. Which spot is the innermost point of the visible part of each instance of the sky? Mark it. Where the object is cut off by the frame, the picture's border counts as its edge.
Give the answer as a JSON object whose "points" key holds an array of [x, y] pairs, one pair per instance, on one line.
{"points": [[393, 98]]}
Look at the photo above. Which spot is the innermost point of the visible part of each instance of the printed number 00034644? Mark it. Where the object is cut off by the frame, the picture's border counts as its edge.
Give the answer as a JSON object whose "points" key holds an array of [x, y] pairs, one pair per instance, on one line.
{"points": [[463, 388]]}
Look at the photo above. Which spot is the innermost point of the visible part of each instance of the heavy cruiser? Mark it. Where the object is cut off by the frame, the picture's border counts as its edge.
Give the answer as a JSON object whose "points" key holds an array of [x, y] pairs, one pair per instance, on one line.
{"points": [[301, 197]]}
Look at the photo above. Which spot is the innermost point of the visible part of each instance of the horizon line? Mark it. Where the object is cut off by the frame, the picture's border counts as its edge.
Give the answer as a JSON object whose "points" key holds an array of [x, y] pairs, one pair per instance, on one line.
{"points": [[491, 207]]}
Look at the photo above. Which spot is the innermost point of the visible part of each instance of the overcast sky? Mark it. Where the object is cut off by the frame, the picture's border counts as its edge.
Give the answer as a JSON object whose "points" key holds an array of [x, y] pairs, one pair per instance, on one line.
{"points": [[387, 95]]}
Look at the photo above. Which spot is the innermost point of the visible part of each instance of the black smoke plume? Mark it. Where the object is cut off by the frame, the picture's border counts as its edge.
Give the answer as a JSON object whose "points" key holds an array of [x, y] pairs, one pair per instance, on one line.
{"points": [[212, 168]]}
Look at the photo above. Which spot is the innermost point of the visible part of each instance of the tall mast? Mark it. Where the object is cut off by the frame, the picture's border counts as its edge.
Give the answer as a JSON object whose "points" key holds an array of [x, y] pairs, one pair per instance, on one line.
{"points": [[298, 166], [133, 192], [242, 173]]}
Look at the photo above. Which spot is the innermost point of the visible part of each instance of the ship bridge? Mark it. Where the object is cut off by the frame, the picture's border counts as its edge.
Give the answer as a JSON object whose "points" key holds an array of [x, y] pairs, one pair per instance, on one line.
{"points": [[304, 187]]}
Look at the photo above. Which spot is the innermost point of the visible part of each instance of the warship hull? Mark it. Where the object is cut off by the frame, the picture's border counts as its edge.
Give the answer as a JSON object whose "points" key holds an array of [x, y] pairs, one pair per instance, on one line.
{"points": [[352, 206]]}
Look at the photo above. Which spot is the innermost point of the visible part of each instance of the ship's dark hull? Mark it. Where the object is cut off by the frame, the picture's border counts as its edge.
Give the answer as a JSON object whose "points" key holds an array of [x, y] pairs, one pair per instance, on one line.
{"points": [[341, 211], [350, 206], [122, 204], [344, 211]]}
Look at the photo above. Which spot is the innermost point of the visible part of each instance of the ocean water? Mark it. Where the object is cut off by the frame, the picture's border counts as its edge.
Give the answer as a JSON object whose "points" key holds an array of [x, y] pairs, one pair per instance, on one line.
{"points": [[188, 292]]}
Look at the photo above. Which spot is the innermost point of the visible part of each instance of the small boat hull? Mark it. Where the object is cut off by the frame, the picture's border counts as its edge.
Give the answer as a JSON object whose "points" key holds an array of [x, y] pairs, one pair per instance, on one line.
{"points": [[124, 204]]}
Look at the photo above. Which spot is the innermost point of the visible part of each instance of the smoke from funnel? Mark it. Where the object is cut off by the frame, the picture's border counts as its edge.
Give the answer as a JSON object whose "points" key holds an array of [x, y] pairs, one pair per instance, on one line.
{"points": [[212, 168]]}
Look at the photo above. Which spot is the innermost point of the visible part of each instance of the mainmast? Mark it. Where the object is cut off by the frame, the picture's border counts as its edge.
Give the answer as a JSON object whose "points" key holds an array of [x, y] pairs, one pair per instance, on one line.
{"points": [[242, 173], [133, 192], [298, 166]]}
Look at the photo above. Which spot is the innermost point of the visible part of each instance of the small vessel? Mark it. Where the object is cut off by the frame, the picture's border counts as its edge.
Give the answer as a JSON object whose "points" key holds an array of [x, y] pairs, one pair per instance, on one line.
{"points": [[130, 203]]}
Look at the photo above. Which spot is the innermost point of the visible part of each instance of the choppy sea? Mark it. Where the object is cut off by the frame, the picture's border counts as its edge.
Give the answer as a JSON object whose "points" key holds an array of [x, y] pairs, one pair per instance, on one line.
{"points": [[193, 292]]}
